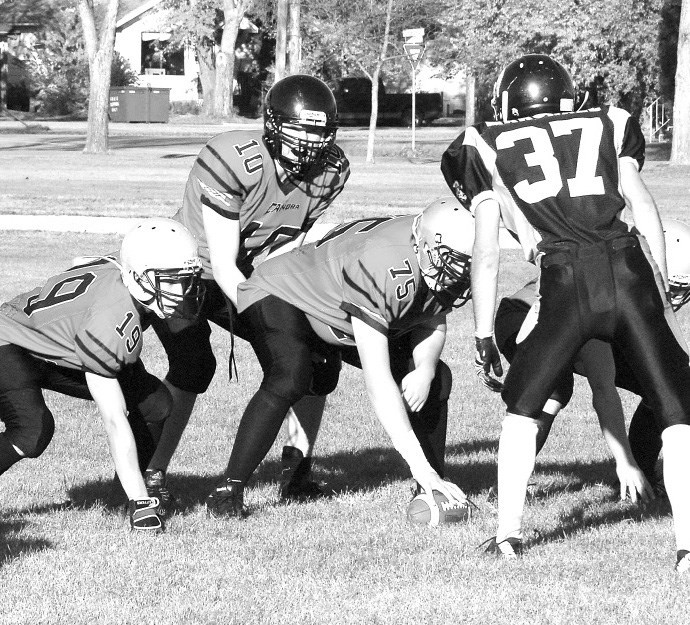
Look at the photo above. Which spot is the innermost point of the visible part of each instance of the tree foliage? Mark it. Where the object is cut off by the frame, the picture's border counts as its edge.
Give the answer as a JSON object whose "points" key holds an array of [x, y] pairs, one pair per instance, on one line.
{"points": [[60, 69], [610, 46]]}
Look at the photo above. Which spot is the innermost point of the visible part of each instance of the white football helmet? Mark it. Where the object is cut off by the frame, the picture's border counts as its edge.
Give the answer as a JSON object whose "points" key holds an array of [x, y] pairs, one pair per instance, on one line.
{"points": [[677, 236], [161, 268], [444, 235]]}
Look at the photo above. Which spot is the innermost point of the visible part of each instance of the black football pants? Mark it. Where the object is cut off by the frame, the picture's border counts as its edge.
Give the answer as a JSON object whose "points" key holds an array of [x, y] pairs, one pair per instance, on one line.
{"points": [[606, 291]]}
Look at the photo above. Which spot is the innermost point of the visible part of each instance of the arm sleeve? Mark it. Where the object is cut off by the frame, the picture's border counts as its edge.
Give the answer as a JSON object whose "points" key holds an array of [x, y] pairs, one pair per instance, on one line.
{"points": [[219, 186], [464, 169]]}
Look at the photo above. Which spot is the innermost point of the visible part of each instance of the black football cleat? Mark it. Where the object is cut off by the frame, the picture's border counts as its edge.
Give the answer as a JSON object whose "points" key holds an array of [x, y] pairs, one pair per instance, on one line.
{"points": [[156, 486], [295, 482], [227, 500], [143, 516]]}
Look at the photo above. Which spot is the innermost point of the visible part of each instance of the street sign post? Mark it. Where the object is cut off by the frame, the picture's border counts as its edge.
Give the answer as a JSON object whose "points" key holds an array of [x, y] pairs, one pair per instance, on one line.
{"points": [[414, 49]]}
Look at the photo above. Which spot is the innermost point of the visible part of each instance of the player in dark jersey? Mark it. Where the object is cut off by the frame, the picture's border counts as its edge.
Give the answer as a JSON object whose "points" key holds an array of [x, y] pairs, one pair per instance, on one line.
{"points": [[606, 370], [80, 334], [251, 192], [559, 179], [375, 291]]}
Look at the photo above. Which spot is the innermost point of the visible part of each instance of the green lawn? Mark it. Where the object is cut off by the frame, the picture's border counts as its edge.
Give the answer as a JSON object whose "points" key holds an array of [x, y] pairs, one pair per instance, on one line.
{"points": [[352, 559]]}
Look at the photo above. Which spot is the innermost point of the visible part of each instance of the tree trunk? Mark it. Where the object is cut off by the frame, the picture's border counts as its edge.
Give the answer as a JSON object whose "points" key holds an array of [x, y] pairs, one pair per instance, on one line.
{"points": [[207, 78], [4, 60], [99, 49], [281, 39], [470, 110], [294, 47], [225, 59], [680, 148], [375, 84]]}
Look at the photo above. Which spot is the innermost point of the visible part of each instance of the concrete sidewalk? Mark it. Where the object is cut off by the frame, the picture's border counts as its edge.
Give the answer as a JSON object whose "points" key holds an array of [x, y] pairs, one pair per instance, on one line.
{"points": [[122, 225], [180, 129]]}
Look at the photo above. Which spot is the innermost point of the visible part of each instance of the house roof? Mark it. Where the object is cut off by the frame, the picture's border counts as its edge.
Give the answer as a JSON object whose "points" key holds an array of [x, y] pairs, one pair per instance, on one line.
{"points": [[130, 10]]}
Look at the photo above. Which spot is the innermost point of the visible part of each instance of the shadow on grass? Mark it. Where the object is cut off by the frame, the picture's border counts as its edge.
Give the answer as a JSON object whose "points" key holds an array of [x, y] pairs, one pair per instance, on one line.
{"points": [[12, 545], [368, 469]]}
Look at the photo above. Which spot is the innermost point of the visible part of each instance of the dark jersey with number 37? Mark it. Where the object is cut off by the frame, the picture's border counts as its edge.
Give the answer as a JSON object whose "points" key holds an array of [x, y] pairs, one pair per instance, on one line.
{"points": [[555, 176], [83, 318]]}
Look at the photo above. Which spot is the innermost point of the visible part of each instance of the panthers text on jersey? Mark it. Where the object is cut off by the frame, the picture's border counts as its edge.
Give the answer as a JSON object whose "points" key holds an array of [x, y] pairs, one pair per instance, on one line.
{"points": [[235, 176], [555, 176], [83, 318], [365, 269]]}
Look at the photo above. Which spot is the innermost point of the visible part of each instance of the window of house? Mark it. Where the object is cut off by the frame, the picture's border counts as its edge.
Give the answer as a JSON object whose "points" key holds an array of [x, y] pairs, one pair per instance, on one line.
{"points": [[158, 57]]}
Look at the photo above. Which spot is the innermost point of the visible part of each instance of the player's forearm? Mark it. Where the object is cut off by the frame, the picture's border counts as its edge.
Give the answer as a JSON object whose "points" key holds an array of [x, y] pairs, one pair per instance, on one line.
{"points": [[485, 261], [429, 343], [108, 396], [124, 454], [390, 411], [484, 289], [228, 278], [612, 423]]}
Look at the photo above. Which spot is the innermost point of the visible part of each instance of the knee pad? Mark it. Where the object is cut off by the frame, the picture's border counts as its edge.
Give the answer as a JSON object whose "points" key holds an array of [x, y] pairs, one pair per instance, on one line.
{"points": [[193, 373], [326, 373], [157, 405], [290, 383], [33, 432]]}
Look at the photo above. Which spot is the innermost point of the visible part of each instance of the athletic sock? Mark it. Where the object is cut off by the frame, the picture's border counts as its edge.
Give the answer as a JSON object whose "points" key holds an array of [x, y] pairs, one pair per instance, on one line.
{"points": [[676, 443], [516, 458]]}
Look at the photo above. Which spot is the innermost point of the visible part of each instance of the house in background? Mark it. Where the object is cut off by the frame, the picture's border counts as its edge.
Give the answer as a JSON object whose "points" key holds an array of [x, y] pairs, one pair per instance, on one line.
{"points": [[140, 37]]}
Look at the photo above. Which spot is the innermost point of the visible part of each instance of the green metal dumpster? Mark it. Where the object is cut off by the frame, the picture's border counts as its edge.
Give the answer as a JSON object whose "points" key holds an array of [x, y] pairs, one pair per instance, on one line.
{"points": [[139, 104]]}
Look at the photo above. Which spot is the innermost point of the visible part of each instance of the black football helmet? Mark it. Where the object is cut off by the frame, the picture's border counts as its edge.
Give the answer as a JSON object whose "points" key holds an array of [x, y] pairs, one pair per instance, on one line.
{"points": [[531, 85], [294, 105]]}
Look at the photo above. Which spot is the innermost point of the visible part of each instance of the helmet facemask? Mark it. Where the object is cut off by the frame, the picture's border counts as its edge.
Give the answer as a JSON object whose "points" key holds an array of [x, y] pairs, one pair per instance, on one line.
{"points": [[297, 146], [171, 293], [161, 268], [446, 271]]}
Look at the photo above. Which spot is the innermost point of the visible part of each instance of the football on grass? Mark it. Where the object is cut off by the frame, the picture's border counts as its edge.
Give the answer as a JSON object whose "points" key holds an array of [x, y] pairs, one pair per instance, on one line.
{"points": [[422, 511]]}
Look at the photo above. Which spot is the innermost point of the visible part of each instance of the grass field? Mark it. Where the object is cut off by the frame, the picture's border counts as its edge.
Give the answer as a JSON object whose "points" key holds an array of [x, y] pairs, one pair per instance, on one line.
{"points": [[354, 558]]}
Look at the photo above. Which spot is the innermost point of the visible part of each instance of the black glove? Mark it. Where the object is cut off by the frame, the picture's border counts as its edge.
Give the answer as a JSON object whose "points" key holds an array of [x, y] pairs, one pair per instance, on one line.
{"points": [[487, 357]]}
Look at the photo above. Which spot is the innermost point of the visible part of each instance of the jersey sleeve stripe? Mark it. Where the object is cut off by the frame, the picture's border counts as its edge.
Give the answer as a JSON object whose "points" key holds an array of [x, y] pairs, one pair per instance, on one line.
{"points": [[218, 180], [365, 316], [238, 187], [216, 208], [97, 359]]}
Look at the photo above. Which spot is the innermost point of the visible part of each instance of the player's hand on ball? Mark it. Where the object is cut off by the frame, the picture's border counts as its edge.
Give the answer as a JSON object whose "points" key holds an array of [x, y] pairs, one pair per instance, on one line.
{"points": [[486, 358], [453, 492]]}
